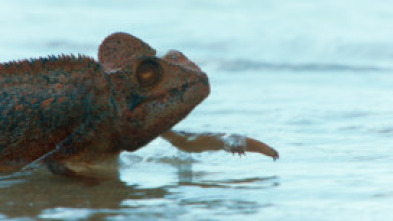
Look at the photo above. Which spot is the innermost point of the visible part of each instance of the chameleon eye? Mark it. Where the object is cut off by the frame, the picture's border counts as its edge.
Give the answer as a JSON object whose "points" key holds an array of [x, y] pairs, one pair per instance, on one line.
{"points": [[148, 73]]}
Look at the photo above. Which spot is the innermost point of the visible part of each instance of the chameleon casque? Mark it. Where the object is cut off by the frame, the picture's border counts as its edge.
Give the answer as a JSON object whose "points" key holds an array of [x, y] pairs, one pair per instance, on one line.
{"points": [[67, 111]]}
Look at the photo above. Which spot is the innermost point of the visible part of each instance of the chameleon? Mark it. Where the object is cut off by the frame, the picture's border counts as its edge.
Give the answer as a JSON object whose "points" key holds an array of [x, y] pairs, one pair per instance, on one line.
{"points": [[66, 111]]}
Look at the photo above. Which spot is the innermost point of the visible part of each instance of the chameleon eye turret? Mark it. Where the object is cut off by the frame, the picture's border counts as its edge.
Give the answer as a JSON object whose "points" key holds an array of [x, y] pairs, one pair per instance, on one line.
{"points": [[148, 73]]}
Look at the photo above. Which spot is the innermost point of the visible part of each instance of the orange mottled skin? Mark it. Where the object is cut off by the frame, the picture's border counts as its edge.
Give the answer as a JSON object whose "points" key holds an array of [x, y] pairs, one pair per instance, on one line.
{"points": [[74, 109]]}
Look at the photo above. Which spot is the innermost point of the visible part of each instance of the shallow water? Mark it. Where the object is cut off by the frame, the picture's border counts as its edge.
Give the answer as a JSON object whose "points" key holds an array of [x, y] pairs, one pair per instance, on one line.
{"points": [[312, 79]]}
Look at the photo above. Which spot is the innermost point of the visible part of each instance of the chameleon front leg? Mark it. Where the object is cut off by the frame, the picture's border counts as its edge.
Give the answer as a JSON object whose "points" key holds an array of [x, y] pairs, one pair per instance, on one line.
{"points": [[65, 149], [54, 166], [74, 147], [199, 142]]}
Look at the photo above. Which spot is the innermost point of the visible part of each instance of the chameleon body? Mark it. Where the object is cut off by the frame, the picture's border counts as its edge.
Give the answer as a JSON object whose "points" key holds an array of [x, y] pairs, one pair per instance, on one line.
{"points": [[74, 109]]}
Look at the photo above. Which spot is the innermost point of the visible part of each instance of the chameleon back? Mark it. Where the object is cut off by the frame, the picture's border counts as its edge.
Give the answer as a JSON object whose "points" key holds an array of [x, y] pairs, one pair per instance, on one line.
{"points": [[42, 101]]}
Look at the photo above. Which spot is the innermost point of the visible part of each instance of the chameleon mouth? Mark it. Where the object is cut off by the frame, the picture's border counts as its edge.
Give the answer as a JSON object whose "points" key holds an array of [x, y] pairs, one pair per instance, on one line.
{"points": [[199, 88]]}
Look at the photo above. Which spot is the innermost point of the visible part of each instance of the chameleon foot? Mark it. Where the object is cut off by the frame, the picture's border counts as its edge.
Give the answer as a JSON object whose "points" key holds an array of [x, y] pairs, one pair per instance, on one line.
{"points": [[234, 143]]}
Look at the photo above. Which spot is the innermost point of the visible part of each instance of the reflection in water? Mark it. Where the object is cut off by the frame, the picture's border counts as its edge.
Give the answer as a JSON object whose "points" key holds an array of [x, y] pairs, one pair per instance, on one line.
{"points": [[41, 191], [252, 183], [185, 177], [184, 169], [225, 206], [38, 193]]}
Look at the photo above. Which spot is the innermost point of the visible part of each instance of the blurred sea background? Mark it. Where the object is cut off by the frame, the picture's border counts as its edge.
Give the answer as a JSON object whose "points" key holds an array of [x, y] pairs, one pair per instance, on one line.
{"points": [[311, 78]]}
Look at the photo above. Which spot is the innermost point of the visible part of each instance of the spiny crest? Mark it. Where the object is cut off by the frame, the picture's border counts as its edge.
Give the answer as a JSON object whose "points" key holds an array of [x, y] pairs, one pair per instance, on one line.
{"points": [[42, 64]]}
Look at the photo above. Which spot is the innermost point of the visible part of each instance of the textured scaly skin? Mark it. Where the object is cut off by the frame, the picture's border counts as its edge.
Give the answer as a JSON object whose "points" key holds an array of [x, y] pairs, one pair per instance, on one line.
{"points": [[43, 101]]}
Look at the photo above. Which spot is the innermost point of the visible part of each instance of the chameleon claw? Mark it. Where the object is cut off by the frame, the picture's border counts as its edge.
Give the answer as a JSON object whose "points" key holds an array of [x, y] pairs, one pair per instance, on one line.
{"points": [[276, 156], [240, 151]]}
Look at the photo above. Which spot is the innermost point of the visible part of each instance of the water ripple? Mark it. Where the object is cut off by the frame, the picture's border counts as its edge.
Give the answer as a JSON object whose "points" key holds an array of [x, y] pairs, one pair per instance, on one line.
{"points": [[244, 65]]}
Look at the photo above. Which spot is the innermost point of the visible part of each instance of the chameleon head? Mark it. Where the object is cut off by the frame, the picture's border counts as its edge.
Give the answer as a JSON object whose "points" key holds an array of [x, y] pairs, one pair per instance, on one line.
{"points": [[150, 94]]}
